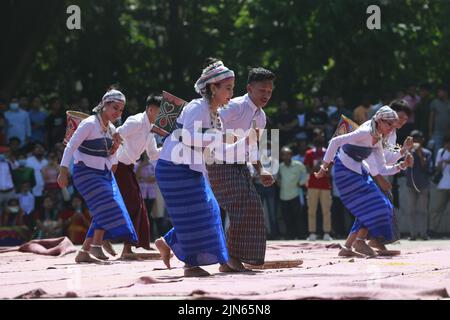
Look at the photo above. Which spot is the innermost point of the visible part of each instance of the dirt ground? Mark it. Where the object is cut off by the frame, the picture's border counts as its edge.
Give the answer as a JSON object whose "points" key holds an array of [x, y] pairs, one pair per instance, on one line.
{"points": [[422, 271]]}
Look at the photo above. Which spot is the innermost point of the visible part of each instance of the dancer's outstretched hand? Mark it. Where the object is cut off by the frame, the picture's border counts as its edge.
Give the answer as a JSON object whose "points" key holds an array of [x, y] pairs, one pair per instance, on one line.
{"points": [[409, 160], [63, 178], [322, 173]]}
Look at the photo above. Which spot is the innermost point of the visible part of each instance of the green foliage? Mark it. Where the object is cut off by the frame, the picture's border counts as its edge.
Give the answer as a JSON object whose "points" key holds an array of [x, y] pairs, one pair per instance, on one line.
{"points": [[320, 46]]}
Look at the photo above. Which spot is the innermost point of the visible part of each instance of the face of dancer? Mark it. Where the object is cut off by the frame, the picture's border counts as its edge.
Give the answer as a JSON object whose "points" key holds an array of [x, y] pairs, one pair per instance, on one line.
{"points": [[152, 112], [402, 119], [385, 127], [113, 110], [260, 92], [223, 91]]}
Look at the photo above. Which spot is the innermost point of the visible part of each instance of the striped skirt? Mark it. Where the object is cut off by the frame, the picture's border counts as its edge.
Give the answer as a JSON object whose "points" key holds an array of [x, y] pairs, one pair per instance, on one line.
{"points": [[361, 196], [197, 236], [104, 201], [237, 195]]}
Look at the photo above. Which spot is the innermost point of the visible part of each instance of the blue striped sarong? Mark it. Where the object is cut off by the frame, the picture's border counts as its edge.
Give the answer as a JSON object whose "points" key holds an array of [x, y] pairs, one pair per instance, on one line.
{"points": [[197, 236], [104, 201], [361, 196]]}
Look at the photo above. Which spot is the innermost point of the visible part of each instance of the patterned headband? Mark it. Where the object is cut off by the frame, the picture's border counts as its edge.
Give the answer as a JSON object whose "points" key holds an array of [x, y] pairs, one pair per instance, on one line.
{"points": [[212, 74]]}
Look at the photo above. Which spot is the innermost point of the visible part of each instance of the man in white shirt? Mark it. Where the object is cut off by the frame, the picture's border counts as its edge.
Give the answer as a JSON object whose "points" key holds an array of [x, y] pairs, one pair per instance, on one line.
{"points": [[137, 138], [37, 162], [232, 183], [443, 186]]}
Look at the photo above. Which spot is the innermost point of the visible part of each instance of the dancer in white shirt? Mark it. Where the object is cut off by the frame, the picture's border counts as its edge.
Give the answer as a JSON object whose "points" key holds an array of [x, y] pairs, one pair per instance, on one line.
{"points": [[93, 147], [371, 208], [137, 138]]}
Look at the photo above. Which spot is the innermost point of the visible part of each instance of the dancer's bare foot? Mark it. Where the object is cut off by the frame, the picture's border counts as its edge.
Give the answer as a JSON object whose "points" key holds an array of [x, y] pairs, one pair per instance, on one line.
{"points": [[109, 248], [236, 265], [348, 252], [84, 257], [362, 247], [195, 272], [97, 252], [376, 244], [226, 268], [164, 251]]}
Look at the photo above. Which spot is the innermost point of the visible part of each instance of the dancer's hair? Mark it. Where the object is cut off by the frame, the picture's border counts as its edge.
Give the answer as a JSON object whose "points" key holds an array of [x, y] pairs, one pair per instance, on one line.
{"points": [[400, 105], [260, 74], [153, 100]]}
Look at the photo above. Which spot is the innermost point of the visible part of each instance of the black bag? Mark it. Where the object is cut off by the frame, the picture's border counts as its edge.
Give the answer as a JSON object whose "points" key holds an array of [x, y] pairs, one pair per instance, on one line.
{"points": [[438, 173]]}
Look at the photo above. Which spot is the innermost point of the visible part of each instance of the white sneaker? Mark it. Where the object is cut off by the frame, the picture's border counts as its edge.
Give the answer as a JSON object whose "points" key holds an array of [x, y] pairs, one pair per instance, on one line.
{"points": [[327, 237], [312, 237]]}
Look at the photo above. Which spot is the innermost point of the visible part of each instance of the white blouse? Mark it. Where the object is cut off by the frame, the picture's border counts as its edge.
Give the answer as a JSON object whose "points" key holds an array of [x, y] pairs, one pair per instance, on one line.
{"points": [[88, 129], [195, 117], [391, 156], [360, 137], [137, 138]]}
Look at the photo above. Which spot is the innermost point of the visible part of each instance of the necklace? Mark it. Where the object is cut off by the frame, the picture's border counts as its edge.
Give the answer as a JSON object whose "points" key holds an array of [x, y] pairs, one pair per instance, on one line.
{"points": [[105, 131]]}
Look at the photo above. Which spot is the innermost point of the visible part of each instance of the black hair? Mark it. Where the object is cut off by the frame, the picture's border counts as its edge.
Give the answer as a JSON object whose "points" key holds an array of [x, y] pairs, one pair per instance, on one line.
{"points": [[425, 86], [260, 74], [153, 100], [14, 139], [399, 105]]}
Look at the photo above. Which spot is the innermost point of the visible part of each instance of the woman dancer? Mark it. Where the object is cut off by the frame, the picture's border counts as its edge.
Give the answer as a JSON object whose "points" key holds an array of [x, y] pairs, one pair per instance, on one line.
{"points": [[93, 146], [359, 193], [197, 237]]}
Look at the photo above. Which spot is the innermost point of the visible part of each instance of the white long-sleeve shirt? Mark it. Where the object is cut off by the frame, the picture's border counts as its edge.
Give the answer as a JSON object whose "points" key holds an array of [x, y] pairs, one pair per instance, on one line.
{"points": [[390, 156], [88, 129], [137, 138], [195, 117], [240, 113], [360, 137]]}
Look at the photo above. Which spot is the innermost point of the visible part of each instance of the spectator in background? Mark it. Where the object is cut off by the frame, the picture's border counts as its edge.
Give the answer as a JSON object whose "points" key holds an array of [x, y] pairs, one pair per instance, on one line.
{"points": [[37, 162], [22, 174], [13, 215], [412, 99], [76, 220], [24, 103], [56, 122], [443, 187], [286, 122], [2, 130], [26, 198], [292, 176], [316, 119], [49, 224], [14, 146], [439, 122], [85, 105], [340, 110], [361, 113], [267, 194], [145, 175], [422, 111], [37, 120], [17, 123], [7, 191], [319, 190], [301, 146], [50, 174], [417, 202]]}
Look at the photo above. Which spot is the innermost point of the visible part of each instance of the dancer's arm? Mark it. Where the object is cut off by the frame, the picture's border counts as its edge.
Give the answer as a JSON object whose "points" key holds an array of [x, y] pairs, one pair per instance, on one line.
{"points": [[78, 137]]}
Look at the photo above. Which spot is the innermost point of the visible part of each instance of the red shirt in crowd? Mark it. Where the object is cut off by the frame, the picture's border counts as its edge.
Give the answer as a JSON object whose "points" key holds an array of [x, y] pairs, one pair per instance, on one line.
{"points": [[313, 158]]}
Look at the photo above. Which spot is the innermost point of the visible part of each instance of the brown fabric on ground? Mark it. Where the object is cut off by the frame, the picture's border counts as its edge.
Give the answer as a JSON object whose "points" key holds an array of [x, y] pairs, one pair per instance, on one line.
{"points": [[132, 197], [48, 247], [237, 195]]}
